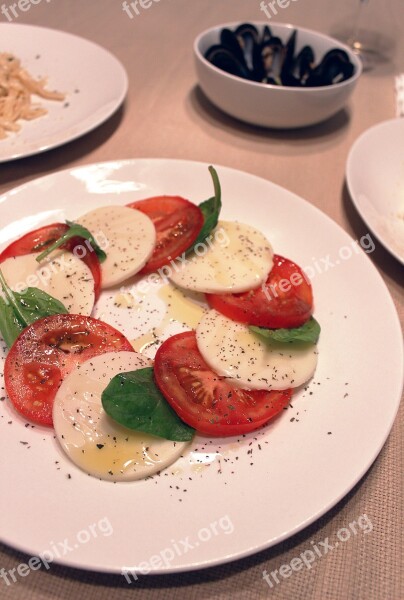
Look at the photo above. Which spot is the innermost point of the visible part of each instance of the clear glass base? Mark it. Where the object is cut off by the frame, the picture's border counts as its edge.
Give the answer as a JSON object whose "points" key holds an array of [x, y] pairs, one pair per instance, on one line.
{"points": [[371, 46], [369, 56]]}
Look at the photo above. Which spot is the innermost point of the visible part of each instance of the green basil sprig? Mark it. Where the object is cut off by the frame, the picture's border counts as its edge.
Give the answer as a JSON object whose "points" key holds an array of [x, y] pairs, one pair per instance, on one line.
{"points": [[18, 310], [210, 209], [74, 230], [133, 400]]}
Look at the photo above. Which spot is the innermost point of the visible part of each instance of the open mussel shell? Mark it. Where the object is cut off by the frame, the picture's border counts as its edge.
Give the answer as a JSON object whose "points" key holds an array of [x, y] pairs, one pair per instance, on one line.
{"points": [[290, 51], [287, 76], [224, 59], [247, 30], [248, 38], [229, 40], [263, 57], [303, 64], [272, 56], [333, 68], [258, 71]]}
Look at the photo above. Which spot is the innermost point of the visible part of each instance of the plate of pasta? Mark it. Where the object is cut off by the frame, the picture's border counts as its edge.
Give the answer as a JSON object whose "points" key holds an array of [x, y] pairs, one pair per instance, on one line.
{"points": [[54, 88]]}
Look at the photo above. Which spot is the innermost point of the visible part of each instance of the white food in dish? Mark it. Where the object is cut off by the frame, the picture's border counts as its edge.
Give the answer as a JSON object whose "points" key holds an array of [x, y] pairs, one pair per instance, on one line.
{"points": [[61, 275], [236, 258], [91, 439], [128, 239], [233, 351]]}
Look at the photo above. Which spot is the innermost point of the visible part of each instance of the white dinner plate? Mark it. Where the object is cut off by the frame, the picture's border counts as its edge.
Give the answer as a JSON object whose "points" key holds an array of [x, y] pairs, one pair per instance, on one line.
{"points": [[226, 498], [94, 81], [375, 177]]}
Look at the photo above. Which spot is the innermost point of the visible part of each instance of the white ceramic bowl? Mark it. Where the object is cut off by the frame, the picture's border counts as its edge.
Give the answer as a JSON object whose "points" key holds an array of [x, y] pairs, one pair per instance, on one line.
{"points": [[270, 105]]}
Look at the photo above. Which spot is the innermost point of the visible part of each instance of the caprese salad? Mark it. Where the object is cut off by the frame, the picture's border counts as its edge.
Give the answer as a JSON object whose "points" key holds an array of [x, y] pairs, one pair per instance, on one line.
{"points": [[117, 414]]}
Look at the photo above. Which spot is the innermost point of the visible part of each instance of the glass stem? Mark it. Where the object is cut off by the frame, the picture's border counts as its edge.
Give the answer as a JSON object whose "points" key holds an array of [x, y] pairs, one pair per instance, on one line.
{"points": [[354, 39]]}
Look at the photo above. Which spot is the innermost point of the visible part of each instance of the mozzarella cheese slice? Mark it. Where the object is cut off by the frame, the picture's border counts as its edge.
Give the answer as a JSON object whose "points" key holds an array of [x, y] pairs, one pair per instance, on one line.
{"points": [[235, 258], [233, 351], [128, 239], [61, 275], [92, 440]]}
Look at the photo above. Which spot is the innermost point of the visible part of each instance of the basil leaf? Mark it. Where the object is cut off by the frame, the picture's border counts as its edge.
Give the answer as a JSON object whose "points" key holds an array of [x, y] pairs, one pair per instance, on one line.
{"points": [[19, 310], [74, 231], [308, 332], [10, 326], [133, 400], [210, 210], [34, 304]]}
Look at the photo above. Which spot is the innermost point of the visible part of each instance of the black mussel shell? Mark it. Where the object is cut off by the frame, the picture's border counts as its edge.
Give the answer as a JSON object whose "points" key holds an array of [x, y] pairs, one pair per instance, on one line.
{"points": [[304, 63], [272, 55], [223, 59], [258, 71], [291, 46], [247, 29], [248, 38], [334, 68], [266, 34], [290, 80], [287, 76], [263, 57], [229, 40], [337, 52], [275, 41]]}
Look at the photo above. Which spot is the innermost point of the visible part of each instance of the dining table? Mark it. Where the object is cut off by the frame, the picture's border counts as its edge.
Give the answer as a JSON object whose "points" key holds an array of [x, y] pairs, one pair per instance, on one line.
{"points": [[166, 115]]}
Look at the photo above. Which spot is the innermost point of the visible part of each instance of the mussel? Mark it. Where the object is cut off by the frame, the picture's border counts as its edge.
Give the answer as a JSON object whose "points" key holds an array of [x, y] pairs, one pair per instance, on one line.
{"points": [[334, 68], [263, 57], [224, 59]]}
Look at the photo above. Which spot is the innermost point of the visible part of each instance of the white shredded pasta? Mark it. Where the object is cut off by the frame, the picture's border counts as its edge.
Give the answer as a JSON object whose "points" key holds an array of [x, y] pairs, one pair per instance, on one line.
{"points": [[16, 90]]}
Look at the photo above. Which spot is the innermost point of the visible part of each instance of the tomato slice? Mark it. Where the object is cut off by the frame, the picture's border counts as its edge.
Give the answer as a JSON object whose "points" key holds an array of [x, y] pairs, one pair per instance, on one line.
{"points": [[177, 222], [285, 300], [206, 401], [46, 351], [39, 239]]}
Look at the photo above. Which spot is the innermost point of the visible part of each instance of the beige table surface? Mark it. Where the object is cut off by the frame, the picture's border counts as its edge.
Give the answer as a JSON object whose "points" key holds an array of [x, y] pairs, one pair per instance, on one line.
{"points": [[166, 116]]}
